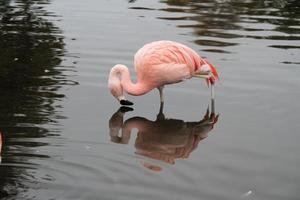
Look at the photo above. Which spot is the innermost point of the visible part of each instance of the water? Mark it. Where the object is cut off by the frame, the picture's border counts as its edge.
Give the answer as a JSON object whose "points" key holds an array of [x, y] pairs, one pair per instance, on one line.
{"points": [[62, 130]]}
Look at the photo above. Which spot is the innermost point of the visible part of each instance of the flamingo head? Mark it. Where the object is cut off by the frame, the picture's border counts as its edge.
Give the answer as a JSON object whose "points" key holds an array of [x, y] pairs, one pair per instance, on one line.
{"points": [[209, 72], [116, 89]]}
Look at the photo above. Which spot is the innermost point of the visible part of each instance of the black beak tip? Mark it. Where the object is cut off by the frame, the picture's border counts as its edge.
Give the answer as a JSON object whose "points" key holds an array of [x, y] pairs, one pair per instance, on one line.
{"points": [[126, 103], [125, 109]]}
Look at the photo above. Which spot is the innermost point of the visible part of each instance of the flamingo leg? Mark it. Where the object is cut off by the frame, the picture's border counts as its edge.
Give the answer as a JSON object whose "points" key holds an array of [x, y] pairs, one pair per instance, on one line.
{"points": [[213, 106], [212, 92], [161, 94], [201, 76], [205, 76]]}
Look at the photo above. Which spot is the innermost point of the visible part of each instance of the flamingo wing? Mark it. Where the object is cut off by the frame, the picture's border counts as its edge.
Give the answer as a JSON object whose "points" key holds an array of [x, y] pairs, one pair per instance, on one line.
{"points": [[165, 62]]}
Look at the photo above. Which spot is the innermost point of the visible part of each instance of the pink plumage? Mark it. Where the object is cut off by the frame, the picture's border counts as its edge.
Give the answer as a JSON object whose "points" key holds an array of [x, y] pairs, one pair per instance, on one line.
{"points": [[158, 64]]}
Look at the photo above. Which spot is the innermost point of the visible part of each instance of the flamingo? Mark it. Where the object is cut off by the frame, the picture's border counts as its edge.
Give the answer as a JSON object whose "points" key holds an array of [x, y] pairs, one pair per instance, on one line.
{"points": [[157, 64]]}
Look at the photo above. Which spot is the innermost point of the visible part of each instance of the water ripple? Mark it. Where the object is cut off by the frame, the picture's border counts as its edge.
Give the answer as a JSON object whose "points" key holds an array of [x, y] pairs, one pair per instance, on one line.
{"points": [[218, 19]]}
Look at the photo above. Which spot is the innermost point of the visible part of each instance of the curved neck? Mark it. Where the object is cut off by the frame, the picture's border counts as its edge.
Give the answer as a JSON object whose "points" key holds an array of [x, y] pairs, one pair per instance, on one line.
{"points": [[140, 123], [136, 89]]}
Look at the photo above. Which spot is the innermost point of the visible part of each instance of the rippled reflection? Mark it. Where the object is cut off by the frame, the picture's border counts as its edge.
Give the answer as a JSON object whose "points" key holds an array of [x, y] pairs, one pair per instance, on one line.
{"points": [[30, 79], [163, 139], [219, 24]]}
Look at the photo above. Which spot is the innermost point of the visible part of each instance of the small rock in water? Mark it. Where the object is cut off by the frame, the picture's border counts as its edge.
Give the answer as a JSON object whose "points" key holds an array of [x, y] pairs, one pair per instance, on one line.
{"points": [[46, 70]]}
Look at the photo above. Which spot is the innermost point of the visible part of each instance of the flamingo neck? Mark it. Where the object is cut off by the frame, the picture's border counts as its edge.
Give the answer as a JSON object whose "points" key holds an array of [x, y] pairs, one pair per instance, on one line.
{"points": [[135, 89]]}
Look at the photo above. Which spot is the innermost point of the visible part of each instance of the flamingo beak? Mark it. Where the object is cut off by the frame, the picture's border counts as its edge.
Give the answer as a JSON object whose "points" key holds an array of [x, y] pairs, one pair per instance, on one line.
{"points": [[125, 102]]}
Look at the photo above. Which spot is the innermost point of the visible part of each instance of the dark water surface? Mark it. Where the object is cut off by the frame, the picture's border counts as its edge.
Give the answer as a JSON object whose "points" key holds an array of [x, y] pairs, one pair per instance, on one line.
{"points": [[64, 136]]}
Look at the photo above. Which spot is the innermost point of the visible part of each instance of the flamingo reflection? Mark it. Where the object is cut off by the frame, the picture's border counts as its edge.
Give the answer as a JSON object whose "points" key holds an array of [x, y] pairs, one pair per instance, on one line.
{"points": [[163, 139]]}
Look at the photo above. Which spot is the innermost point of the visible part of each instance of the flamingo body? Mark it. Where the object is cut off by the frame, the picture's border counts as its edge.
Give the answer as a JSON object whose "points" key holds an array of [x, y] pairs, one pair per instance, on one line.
{"points": [[165, 62], [157, 64]]}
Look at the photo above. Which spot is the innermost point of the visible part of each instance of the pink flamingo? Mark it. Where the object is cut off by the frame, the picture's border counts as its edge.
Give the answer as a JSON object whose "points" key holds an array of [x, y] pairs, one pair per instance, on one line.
{"points": [[158, 64]]}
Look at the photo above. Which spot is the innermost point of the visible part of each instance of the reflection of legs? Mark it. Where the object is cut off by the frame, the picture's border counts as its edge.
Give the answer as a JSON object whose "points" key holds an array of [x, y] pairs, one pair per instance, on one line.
{"points": [[160, 115], [210, 117]]}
